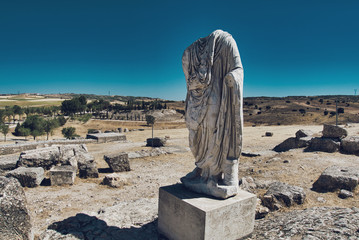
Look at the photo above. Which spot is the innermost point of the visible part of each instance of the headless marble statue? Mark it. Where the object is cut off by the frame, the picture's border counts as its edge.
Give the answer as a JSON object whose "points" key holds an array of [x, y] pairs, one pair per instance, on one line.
{"points": [[214, 113]]}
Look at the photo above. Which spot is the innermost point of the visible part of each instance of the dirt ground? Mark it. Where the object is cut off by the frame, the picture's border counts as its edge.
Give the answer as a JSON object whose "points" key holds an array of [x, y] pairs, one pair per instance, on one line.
{"points": [[52, 203]]}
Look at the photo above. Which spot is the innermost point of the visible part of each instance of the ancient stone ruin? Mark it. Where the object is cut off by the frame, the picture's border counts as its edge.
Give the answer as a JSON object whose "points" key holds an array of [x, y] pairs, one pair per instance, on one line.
{"points": [[334, 139]]}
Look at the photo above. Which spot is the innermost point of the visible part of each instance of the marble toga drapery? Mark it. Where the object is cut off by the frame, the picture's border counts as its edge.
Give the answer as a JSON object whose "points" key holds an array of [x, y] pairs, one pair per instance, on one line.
{"points": [[214, 75]]}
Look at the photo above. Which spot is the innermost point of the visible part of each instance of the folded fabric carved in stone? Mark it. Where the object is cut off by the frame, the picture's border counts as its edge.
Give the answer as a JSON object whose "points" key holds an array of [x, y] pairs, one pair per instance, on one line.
{"points": [[214, 75]]}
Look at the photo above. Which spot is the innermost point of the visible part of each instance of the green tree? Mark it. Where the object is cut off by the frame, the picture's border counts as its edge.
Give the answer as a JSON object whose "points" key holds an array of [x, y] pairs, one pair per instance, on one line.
{"points": [[83, 100], [4, 130], [25, 132], [9, 113], [17, 110], [2, 116], [151, 121], [70, 107], [50, 125], [69, 132], [61, 120], [36, 125]]}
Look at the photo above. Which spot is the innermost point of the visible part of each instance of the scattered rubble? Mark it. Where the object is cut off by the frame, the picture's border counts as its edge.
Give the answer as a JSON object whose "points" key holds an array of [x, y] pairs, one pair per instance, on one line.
{"points": [[311, 223], [247, 184], [345, 194], [261, 211], [281, 194], [115, 180]]}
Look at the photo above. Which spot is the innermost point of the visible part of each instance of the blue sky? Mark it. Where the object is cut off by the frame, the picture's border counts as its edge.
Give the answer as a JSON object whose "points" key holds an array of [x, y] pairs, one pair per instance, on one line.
{"points": [[134, 48]]}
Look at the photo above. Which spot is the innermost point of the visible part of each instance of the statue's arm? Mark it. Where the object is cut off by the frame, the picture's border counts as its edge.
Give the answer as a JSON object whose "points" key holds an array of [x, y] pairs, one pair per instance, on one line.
{"points": [[235, 76]]}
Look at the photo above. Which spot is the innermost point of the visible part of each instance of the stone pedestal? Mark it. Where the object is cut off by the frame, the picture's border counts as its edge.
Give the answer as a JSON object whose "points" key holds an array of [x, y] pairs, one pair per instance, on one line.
{"points": [[62, 175], [183, 214]]}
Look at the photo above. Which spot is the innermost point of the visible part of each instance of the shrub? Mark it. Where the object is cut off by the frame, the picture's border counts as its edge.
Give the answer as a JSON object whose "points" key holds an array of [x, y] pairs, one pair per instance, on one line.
{"points": [[84, 118], [340, 110], [62, 120], [332, 113], [91, 130], [302, 111], [69, 132]]}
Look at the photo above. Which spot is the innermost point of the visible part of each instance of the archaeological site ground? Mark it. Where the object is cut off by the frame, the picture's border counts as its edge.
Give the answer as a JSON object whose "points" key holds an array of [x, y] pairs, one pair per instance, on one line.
{"points": [[303, 169]]}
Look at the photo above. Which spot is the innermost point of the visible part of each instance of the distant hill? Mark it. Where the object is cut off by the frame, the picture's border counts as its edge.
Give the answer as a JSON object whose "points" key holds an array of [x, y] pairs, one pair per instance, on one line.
{"points": [[257, 110]]}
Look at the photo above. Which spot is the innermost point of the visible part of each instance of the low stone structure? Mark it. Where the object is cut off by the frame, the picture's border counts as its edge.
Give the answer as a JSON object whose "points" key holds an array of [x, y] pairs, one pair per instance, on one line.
{"points": [[56, 155], [20, 147], [106, 137], [155, 142], [281, 194], [62, 175], [28, 177], [183, 214], [15, 220], [118, 162], [337, 177]]}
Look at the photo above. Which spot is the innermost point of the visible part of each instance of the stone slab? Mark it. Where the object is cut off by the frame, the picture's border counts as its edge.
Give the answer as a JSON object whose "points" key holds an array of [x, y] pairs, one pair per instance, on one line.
{"points": [[28, 177], [8, 162], [118, 162], [106, 137], [62, 175], [183, 214]]}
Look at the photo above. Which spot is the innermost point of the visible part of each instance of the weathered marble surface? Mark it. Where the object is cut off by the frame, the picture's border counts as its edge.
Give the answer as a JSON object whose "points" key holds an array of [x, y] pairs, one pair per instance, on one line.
{"points": [[214, 113], [184, 214]]}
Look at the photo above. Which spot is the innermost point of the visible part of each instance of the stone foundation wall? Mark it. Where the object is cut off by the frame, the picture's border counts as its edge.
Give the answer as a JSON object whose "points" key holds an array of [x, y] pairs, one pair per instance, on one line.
{"points": [[106, 137], [20, 147]]}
